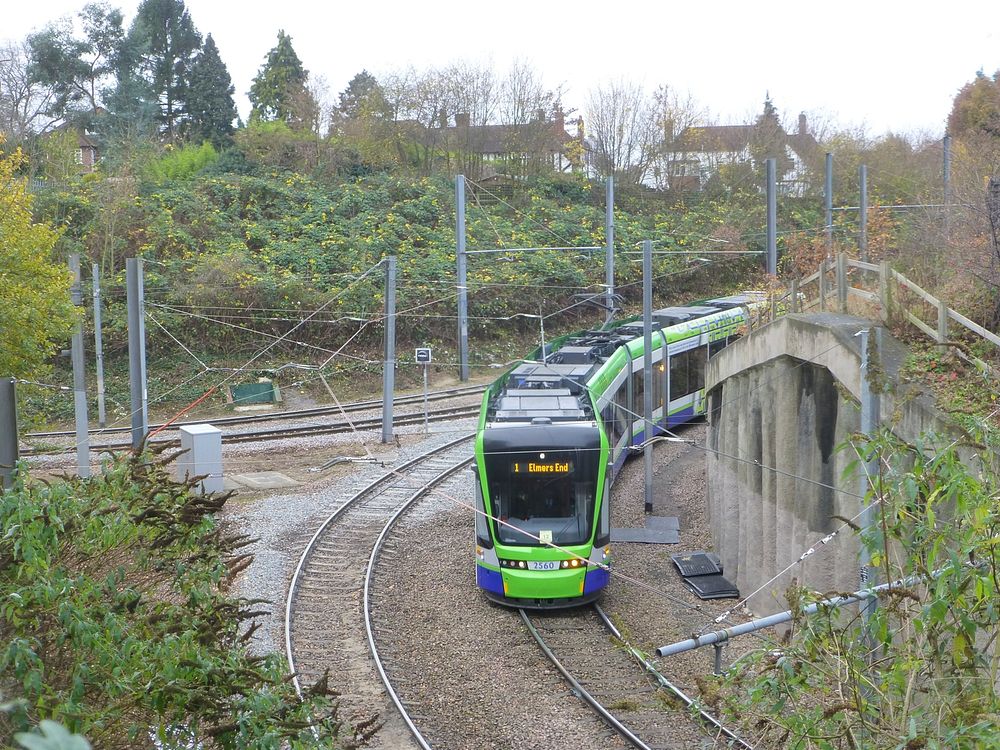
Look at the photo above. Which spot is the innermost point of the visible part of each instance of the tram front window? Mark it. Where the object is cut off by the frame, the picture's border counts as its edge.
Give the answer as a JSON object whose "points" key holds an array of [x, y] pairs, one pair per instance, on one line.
{"points": [[543, 497]]}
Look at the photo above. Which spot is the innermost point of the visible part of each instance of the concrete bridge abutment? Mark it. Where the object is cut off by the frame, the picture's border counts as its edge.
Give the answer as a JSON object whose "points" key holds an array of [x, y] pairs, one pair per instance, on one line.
{"points": [[783, 402]]}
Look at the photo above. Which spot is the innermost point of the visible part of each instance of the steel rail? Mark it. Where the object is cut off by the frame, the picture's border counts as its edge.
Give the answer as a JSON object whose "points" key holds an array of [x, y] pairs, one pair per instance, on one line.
{"points": [[311, 545], [316, 411], [666, 684], [376, 550], [286, 432], [601, 711]]}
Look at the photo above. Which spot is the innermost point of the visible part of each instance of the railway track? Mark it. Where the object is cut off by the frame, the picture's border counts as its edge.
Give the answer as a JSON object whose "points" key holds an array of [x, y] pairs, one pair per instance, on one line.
{"points": [[282, 433], [319, 411], [328, 623], [641, 705]]}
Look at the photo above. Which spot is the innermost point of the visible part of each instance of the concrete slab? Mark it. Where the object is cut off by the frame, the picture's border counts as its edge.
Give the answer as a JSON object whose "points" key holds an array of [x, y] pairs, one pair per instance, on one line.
{"points": [[263, 480], [659, 530]]}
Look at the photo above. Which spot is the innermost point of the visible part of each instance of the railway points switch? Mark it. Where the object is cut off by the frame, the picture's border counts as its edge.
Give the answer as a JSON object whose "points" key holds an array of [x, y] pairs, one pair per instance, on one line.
{"points": [[201, 446]]}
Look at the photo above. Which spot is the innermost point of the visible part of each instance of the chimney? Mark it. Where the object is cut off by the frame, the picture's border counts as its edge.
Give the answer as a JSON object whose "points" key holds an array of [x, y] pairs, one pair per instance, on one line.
{"points": [[462, 120], [803, 126], [560, 123], [540, 115]]}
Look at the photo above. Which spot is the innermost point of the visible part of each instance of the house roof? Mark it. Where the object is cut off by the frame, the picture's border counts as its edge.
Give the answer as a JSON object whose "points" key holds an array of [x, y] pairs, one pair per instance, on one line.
{"points": [[735, 138]]}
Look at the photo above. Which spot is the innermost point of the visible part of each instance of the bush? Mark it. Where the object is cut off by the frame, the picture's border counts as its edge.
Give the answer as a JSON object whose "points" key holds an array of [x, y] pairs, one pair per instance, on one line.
{"points": [[117, 625]]}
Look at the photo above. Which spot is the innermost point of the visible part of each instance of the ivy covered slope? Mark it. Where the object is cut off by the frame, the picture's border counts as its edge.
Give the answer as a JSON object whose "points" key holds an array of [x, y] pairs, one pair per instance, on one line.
{"points": [[228, 233], [116, 621]]}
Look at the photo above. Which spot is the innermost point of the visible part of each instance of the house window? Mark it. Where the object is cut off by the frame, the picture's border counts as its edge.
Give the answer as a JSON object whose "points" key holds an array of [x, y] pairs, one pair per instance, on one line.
{"points": [[78, 156]]}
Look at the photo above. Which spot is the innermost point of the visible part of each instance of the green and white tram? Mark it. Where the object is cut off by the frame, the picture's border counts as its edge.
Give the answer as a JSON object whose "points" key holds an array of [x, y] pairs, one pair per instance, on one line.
{"points": [[553, 435]]}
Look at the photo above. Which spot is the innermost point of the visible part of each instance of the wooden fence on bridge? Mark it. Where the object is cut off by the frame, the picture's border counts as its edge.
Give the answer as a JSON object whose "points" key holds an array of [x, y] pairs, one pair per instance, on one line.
{"points": [[888, 295]]}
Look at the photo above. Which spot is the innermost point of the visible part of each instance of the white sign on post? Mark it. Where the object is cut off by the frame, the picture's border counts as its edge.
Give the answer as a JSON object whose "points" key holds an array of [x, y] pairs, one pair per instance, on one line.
{"points": [[423, 357]]}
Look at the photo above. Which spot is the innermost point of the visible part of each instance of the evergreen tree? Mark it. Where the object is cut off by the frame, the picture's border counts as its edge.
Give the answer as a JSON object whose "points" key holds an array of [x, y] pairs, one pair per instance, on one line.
{"points": [[210, 97], [75, 67], [161, 44], [769, 140], [278, 91], [362, 97]]}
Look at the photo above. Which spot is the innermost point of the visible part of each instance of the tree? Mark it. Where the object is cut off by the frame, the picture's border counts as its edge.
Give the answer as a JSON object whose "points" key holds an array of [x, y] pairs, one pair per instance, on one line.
{"points": [[976, 109], [24, 103], [362, 97], [161, 46], [920, 672], [278, 91], [768, 140], [76, 68], [622, 131], [673, 113], [210, 97], [35, 307]]}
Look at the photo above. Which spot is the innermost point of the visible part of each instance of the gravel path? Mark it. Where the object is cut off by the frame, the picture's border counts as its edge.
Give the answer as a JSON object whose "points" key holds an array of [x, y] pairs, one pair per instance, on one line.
{"points": [[451, 652]]}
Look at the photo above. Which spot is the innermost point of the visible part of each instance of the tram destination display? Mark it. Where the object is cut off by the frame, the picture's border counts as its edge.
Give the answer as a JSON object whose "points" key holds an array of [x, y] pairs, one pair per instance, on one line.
{"points": [[542, 467]]}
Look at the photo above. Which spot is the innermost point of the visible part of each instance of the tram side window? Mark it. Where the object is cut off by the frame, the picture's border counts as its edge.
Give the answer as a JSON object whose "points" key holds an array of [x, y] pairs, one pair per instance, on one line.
{"points": [[716, 346], [621, 409], [696, 369], [679, 375], [611, 424], [658, 386], [638, 390]]}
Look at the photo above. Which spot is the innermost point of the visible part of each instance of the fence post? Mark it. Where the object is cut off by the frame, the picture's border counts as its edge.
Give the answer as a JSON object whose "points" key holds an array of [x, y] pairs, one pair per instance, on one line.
{"points": [[842, 282], [822, 286], [942, 330], [885, 290], [793, 306]]}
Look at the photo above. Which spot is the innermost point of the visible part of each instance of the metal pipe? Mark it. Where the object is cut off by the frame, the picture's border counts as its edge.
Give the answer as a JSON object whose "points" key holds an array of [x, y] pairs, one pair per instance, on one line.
{"points": [[721, 636]]}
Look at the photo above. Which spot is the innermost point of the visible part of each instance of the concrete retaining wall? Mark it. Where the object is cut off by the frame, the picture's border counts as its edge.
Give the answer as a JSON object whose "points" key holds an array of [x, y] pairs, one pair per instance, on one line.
{"points": [[782, 401]]}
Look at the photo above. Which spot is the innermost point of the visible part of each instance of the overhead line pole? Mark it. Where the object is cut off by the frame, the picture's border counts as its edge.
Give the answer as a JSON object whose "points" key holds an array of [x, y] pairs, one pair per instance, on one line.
{"points": [[389, 368], [863, 213], [138, 395], [647, 368], [609, 242], [79, 374], [102, 418], [828, 201], [463, 300], [772, 217], [946, 169], [8, 432]]}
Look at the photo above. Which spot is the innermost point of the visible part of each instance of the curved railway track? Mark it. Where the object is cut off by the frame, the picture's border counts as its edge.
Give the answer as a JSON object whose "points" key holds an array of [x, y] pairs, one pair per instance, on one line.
{"points": [[328, 626], [282, 433], [319, 411], [642, 706]]}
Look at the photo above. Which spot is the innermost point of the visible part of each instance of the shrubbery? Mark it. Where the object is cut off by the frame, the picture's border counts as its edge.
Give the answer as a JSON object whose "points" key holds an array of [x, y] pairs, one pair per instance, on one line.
{"points": [[117, 624]]}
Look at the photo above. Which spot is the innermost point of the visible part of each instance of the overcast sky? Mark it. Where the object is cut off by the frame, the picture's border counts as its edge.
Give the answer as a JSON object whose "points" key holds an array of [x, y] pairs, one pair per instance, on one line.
{"points": [[882, 64]]}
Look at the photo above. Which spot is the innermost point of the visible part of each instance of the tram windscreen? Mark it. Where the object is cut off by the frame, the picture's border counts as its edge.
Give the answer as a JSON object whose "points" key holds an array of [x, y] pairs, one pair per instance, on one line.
{"points": [[543, 497]]}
